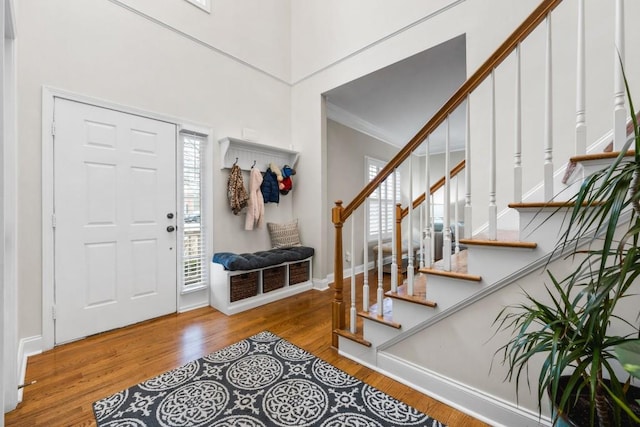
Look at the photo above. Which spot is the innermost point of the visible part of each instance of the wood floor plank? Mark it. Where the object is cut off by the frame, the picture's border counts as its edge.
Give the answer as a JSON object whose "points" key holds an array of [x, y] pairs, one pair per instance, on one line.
{"points": [[72, 376]]}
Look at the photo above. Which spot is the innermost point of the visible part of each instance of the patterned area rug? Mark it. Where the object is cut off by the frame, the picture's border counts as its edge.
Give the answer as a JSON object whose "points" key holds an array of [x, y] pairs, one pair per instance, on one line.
{"points": [[263, 380]]}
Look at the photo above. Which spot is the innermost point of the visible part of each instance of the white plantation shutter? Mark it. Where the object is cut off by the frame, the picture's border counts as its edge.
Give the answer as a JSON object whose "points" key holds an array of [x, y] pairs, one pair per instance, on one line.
{"points": [[384, 192], [194, 253]]}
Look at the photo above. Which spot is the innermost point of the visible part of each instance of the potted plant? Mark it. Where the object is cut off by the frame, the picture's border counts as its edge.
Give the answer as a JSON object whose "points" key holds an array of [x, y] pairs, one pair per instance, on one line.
{"points": [[572, 327]]}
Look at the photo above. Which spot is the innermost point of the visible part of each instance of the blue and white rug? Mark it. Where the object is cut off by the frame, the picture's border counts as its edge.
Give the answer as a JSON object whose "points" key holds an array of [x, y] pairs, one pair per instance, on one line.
{"points": [[263, 380]]}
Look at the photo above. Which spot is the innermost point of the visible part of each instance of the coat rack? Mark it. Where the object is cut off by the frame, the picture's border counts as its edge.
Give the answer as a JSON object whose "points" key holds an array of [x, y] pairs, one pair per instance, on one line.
{"points": [[251, 154]]}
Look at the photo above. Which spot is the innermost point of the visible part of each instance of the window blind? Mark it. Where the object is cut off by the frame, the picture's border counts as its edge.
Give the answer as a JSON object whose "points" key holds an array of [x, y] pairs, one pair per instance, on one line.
{"points": [[194, 258]]}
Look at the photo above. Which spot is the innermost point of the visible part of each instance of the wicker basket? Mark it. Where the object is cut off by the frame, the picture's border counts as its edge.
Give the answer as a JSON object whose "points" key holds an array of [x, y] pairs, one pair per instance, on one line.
{"points": [[273, 278], [299, 272], [244, 286]]}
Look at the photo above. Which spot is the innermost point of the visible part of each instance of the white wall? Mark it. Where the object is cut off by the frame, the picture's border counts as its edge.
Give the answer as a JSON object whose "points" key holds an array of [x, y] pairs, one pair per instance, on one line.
{"points": [[257, 32], [105, 51]]}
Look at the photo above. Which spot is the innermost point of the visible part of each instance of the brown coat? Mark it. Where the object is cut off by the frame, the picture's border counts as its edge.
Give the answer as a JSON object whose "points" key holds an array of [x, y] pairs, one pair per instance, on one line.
{"points": [[236, 193]]}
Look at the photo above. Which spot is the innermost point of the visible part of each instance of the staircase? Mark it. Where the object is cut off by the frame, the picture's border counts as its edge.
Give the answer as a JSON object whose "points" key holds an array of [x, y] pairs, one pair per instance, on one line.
{"points": [[433, 328]]}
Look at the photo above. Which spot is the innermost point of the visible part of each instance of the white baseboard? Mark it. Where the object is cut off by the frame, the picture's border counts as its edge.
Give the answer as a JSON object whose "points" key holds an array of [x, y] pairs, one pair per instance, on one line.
{"points": [[321, 284], [26, 347], [347, 271], [475, 403]]}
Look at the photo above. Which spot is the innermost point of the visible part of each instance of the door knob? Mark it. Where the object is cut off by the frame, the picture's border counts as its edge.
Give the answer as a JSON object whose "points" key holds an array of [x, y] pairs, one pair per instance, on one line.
{"points": [[170, 215], [171, 228]]}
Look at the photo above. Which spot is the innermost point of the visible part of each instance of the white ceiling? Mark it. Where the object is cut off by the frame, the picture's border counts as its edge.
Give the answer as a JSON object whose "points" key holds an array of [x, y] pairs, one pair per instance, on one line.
{"points": [[393, 103]]}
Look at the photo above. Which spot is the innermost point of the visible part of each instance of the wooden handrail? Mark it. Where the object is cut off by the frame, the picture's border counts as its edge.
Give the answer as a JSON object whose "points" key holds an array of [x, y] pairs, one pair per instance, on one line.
{"points": [[435, 187], [505, 49]]}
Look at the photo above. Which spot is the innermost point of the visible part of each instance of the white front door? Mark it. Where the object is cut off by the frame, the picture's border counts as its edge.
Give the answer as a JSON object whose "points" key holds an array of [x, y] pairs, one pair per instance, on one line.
{"points": [[114, 210]]}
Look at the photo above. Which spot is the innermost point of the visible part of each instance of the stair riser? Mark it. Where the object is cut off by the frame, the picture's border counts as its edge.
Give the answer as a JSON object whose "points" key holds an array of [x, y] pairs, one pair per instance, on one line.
{"points": [[447, 291], [543, 226], [378, 333], [357, 351], [409, 314], [482, 261]]}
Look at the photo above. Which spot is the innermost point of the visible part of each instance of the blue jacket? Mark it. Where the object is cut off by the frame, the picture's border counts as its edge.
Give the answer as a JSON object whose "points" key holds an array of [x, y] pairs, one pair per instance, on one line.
{"points": [[269, 187]]}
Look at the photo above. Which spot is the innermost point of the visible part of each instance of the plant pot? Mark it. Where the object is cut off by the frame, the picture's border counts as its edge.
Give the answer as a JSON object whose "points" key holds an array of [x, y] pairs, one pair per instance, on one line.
{"points": [[578, 415]]}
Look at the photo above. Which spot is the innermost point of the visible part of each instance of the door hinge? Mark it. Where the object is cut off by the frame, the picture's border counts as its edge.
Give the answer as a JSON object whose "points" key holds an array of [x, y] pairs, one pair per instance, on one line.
{"points": [[53, 220], [53, 128], [53, 312]]}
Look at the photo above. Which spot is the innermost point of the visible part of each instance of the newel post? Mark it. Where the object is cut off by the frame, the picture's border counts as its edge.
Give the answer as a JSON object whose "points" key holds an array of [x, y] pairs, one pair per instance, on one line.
{"points": [[337, 308], [398, 232]]}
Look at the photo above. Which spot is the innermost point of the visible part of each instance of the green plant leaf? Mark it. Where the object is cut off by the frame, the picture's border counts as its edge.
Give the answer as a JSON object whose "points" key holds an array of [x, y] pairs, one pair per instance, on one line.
{"points": [[628, 354]]}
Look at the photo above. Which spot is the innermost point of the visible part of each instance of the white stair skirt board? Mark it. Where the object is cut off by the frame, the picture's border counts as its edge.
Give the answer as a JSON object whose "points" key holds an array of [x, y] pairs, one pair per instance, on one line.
{"points": [[496, 412]]}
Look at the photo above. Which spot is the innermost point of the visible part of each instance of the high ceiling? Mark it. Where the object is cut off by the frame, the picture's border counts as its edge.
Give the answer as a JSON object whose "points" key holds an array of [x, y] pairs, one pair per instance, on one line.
{"points": [[393, 103]]}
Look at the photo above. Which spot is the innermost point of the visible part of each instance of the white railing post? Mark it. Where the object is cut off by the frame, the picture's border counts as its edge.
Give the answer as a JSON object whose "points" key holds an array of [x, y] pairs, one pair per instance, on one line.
{"points": [[467, 173], [380, 251], [581, 109], [456, 219], [365, 260], [394, 252], [548, 118], [619, 111], [428, 230], [517, 163], [352, 317], [446, 220], [493, 208], [420, 240], [410, 272]]}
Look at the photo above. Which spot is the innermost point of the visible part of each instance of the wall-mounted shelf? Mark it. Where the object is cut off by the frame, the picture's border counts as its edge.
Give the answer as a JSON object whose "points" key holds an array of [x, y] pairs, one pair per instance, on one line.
{"points": [[247, 153]]}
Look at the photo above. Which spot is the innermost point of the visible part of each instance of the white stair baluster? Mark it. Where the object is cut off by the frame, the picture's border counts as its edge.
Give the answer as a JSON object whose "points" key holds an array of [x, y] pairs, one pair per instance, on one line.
{"points": [[456, 218], [380, 254], [352, 319], [493, 209], [619, 110], [420, 240], [394, 252], [517, 164], [548, 118], [365, 261], [581, 118], [428, 230], [446, 220], [410, 234], [467, 173], [380, 251]]}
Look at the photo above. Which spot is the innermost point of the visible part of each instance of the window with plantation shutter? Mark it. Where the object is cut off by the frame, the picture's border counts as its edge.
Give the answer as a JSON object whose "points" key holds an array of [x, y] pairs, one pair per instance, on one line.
{"points": [[384, 193], [194, 253]]}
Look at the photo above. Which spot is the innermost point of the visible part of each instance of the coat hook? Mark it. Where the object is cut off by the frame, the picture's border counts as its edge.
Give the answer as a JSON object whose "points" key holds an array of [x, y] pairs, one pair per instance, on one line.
{"points": [[254, 163], [236, 162]]}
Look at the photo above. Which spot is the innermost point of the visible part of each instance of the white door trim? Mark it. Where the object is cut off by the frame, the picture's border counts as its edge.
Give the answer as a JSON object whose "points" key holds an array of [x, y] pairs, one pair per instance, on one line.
{"points": [[9, 370], [48, 99]]}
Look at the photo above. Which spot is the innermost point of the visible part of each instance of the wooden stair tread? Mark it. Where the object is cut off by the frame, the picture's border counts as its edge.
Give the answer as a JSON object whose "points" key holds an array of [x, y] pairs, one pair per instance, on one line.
{"points": [[353, 337], [600, 156], [505, 238], [458, 268], [419, 292]]}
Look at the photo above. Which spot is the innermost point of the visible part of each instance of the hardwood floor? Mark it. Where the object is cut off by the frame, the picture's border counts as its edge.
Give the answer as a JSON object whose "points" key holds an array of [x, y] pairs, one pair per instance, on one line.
{"points": [[71, 377]]}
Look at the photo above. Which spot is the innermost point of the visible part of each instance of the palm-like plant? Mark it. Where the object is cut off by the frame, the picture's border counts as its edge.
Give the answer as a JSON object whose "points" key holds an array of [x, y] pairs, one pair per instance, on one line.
{"points": [[573, 330]]}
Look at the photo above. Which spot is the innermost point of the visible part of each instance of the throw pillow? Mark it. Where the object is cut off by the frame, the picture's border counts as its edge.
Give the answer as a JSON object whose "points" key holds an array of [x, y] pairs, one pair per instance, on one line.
{"points": [[284, 235]]}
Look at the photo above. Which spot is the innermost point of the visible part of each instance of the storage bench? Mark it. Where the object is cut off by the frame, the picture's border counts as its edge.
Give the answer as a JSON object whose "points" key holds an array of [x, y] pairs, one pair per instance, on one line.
{"points": [[243, 281]]}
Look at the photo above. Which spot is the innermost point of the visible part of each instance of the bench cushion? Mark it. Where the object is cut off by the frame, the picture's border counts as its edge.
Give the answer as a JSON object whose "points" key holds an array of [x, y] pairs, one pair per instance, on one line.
{"points": [[256, 260]]}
